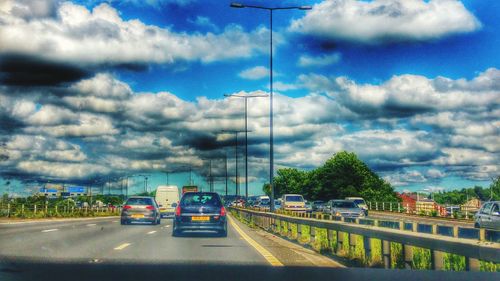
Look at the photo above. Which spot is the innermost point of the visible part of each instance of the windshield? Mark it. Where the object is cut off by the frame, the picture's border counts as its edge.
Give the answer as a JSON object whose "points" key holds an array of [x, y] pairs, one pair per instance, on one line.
{"points": [[344, 204], [170, 139], [294, 198]]}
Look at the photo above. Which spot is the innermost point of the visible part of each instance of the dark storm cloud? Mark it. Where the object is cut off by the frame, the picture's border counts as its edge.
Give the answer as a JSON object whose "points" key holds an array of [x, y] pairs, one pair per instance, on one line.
{"points": [[29, 71]]}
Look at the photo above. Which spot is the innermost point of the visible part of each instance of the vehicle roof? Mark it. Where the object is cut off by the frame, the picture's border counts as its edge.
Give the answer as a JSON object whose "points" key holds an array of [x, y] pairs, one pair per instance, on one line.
{"points": [[167, 187], [140, 197], [349, 198], [291, 194]]}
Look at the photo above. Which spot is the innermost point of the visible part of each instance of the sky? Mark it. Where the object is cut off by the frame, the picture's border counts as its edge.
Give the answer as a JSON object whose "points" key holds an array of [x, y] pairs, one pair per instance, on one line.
{"points": [[94, 91]]}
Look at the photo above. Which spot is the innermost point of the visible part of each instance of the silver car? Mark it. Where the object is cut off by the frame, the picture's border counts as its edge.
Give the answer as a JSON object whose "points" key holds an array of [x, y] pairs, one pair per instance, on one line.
{"points": [[140, 209], [345, 208], [488, 216]]}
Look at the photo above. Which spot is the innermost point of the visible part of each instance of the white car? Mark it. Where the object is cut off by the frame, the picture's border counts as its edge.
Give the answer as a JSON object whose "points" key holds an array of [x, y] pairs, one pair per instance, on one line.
{"points": [[360, 202], [488, 216]]}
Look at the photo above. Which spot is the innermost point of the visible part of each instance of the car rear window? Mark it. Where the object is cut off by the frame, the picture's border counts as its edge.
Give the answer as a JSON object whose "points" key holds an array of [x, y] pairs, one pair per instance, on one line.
{"points": [[294, 198], [359, 201], [192, 198], [139, 201]]}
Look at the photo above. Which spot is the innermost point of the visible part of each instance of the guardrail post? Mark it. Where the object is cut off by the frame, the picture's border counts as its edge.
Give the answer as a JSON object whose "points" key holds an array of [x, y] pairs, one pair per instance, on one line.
{"points": [[482, 234], [390, 206], [434, 229], [368, 247], [408, 255], [352, 242], [22, 209], [370, 205], [46, 208], [8, 210], [401, 225], [386, 253], [34, 210], [329, 238], [399, 207], [376, 206], [375, 223], [340, 241], [437, 260], [407, 208], [56, 209], [472, 264], [299, 231], [383, 206], [414, 226], [312, 234]]}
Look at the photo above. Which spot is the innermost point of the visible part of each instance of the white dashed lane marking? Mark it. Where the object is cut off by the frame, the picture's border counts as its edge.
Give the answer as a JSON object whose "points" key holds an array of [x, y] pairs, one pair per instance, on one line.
{"points": [[50, 230], [122, 246], [151, 232]]}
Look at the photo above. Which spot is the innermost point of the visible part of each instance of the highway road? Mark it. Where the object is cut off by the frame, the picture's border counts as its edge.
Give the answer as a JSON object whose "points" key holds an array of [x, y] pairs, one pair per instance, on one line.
{"points": [[102, 249]]}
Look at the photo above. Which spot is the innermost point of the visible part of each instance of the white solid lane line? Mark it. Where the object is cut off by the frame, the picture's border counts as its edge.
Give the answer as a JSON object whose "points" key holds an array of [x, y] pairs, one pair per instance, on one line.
{"points": [[50, 230], [122, 246], [151, 232], [91, 224]]}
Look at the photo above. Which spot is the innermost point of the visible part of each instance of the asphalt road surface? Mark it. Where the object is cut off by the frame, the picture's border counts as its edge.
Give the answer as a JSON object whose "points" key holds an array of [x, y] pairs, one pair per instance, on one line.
{"points": [[102, 249]]}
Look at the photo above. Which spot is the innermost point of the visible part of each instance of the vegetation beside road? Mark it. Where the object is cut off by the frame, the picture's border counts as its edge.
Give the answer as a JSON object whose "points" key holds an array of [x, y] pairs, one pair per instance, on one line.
{"points": [[341, 176]]}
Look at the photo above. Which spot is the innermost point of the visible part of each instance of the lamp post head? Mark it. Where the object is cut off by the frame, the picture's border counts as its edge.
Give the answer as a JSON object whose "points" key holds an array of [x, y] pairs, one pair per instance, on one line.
{"points": [[237, 5]]}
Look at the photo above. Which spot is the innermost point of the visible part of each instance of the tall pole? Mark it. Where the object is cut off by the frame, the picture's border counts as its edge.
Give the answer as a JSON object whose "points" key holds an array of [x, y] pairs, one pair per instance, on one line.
{"points": [[246, 150], [271, 133], [236, 156], [225, 166]]}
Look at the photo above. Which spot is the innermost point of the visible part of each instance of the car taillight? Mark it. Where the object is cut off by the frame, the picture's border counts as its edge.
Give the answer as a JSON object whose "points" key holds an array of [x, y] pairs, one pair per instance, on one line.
{"points": [[150, 207], [222, 212], [126, 207], [178, 211]]}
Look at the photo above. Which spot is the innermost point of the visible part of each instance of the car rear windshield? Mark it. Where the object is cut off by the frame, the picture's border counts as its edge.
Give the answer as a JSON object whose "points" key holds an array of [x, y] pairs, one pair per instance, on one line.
{"points": [[192, 198], [344, 204], [359, 201], [294, 198], [139, 201]]}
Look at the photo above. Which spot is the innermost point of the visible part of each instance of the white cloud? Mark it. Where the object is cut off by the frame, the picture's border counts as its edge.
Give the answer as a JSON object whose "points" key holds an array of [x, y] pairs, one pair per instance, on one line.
{"points": [[318, 61], [379, 21], [255, 73], [101, 36], [435, 174]]}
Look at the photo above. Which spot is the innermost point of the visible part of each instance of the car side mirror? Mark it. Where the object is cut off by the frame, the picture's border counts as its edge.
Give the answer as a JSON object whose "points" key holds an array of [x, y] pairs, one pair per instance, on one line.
{"points": [[174, 205]]}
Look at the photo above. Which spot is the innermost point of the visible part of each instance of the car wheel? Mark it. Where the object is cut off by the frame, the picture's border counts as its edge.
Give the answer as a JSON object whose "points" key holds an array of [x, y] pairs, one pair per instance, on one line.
{"points": [[123, 222], [176, 233], [159, 221], [223, 233]]}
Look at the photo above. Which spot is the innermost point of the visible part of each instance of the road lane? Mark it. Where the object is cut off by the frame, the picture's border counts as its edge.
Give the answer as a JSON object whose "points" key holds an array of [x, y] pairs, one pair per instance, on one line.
{"points": [[109, 241]]}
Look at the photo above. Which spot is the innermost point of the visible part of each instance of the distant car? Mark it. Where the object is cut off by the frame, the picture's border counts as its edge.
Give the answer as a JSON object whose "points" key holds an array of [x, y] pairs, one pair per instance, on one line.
{"points": [[200, 211], [140, 209], [345, 208], [360, 202], [308, 206], [488, 216], [277, 204], [318, 206], [293, 202]]}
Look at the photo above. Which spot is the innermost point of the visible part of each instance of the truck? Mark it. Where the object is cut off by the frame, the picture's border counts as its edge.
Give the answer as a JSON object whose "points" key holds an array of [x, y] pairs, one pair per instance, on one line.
{"points": [[167, 197], [189, 188]]}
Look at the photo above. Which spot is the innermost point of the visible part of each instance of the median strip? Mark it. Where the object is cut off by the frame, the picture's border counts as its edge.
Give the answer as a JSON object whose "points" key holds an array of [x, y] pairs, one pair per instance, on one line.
{"points": [[122, 246], [50, 230], [265, 253]]}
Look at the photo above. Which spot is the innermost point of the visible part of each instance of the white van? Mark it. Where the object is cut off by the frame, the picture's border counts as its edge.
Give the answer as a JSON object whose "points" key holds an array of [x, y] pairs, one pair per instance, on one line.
{"points": [[167, 197]]}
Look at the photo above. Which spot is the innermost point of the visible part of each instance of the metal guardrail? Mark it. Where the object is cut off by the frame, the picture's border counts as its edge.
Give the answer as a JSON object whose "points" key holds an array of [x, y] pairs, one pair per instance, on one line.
{"points": [[472, 250], [429, 209]]}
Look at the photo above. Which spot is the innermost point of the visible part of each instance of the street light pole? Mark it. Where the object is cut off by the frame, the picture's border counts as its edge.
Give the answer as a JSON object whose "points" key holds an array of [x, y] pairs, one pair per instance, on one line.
{"points": [[271, 133], [246, 97], [235, 155]]}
